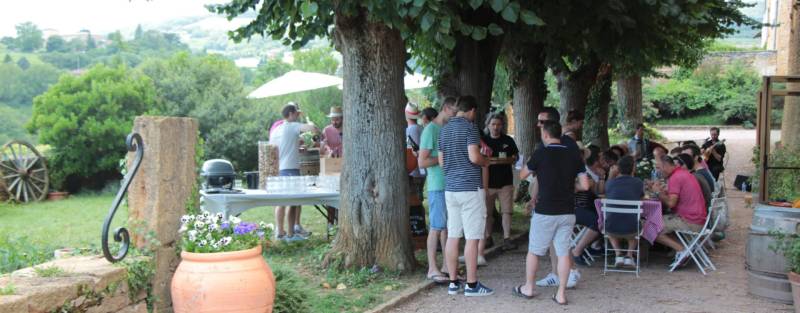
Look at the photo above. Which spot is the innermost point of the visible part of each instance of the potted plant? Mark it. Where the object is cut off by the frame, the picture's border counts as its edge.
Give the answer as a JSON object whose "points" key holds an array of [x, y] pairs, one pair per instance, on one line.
{"points": [[56, 185], [222, 269], [789, 246]]}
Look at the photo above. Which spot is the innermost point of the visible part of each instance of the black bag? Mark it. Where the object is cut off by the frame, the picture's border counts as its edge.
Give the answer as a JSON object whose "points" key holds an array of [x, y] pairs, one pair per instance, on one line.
{"points": [[417, 221], [742, 183]]}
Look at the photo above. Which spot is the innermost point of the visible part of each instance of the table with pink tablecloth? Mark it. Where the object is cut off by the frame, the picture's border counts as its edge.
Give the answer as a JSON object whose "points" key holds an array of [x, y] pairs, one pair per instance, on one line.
{"points": [[651, 213]]}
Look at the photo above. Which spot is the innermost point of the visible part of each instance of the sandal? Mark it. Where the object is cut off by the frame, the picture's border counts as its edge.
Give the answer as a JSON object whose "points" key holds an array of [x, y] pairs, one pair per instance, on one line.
{"points": [[517, 291], [556, 301], [439, 279]]}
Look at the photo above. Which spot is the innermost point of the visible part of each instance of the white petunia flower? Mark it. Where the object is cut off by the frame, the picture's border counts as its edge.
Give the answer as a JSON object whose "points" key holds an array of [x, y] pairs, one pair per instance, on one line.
{"points": [[185, 219], [235, 220], [213, 227], [215, 245], [183, 228], [192, 235], [219, 216], [202, 243], [199, 224], [226, 240]]}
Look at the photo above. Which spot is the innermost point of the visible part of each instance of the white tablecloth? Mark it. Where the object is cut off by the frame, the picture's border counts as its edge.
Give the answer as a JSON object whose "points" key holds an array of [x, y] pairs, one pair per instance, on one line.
{"points": [[236, 203]]}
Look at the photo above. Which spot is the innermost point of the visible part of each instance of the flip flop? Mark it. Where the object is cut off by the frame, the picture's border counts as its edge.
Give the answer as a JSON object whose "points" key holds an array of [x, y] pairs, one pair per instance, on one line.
{"points": [[517, 291], [556, 301], [439, 279]]}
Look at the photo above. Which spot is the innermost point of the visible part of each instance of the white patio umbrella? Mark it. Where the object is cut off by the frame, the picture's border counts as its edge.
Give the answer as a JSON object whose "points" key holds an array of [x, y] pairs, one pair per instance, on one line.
{"points": [[294, 81], [416, 81]]}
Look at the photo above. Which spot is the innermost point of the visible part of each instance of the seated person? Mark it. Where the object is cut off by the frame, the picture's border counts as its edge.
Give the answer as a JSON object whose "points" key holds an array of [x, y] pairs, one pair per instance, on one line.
{"points": [[619, 226], [585, 212], [609, 161], [687, 162], [619, 150], [700, 165], [684, 197]]}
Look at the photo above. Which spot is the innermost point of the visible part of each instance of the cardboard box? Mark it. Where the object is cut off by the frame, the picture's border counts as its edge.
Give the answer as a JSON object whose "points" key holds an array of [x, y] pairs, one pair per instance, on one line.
{"points": [[330, 166]]}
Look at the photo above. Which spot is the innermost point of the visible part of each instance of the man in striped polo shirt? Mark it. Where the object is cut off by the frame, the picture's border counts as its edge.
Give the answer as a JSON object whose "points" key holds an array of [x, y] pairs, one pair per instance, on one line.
{"points": [[461, 161]]}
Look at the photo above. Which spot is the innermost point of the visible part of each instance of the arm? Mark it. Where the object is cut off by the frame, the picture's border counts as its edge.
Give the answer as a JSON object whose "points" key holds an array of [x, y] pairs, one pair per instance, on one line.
{"points": [[441, 159], [425, 159], [583, 182], [670, 200], [716, 154], [308, 128], [475, 156]]}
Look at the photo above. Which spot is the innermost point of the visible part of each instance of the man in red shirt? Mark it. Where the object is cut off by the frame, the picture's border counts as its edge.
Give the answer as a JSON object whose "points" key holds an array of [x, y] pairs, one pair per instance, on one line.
{"points": [[684, 197]]}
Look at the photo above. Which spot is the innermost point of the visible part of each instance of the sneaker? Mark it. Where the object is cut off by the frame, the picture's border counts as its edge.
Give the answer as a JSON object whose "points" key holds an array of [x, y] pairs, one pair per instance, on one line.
{"points": [[680, 257], [453, 288], [481, 261], [619, 261], [280, 237], [294, 238], [551, 280], [579, 260], [301, 231], [479, 291], [574, 277], [508, 245], [628, 262]]}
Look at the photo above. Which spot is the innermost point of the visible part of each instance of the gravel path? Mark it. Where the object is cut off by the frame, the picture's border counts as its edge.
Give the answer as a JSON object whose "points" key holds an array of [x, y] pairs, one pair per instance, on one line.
{"points": [[656, 290]]}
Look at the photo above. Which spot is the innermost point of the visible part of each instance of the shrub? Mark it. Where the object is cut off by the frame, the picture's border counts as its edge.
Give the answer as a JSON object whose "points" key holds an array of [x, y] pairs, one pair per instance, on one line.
{"points": [[85, 120]]}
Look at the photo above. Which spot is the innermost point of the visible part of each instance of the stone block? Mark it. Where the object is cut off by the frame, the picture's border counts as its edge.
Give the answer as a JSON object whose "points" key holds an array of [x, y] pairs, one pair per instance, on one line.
{"points": [[136, 308], [13, 304], [110, 304]]}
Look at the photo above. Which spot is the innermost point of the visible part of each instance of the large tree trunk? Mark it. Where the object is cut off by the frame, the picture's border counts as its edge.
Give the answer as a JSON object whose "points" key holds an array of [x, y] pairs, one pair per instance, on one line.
{"points": [[595, 127], [473, 72], [526, 70], [790, 125], [629, 93], [373, 220], [574, 86]]}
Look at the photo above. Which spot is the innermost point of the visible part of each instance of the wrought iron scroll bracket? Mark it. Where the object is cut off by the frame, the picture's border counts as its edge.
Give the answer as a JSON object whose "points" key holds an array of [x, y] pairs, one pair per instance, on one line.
{"points": [[134, 144]]}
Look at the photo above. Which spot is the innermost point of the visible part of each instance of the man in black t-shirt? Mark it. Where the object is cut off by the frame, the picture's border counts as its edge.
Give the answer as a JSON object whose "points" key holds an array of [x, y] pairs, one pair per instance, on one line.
{"points": [[556, 167], [501, 176], [714, 151]]}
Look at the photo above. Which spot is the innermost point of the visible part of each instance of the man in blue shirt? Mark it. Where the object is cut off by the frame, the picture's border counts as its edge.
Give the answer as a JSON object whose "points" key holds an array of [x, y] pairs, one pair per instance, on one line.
{"points": [[461, 161]]}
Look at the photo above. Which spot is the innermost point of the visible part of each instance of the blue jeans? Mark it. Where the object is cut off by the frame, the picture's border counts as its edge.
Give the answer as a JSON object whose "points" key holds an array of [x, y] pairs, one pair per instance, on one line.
{"points": [[437, 210], [289, 172]]}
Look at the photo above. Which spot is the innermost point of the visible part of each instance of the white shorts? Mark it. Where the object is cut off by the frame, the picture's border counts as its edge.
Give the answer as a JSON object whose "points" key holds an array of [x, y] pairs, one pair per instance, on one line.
{"points": [[466, 214]]}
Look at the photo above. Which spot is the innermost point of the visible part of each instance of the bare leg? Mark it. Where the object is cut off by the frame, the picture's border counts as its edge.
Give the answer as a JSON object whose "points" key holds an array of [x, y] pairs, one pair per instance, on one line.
{"points": [[433, 237], [297, 215], [280, 212], [531, 265], [616, 244], [489, 222], [451, 257], [506, 225], [471, 260], [443, 242], [668, 241], [290, 221], [553, 259], [587, 239], [632, 243], [564, 266]]}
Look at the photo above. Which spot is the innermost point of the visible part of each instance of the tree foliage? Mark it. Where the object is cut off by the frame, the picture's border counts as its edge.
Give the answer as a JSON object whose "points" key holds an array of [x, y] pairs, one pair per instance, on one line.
{"points": [[86, 118], [29, 37], [12, 124], [56, 43], [18, 86]]}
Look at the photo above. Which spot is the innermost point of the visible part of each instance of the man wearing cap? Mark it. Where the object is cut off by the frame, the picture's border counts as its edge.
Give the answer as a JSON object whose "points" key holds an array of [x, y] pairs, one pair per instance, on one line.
{"points": [[287, 137], [413, 134], [332, 134]]}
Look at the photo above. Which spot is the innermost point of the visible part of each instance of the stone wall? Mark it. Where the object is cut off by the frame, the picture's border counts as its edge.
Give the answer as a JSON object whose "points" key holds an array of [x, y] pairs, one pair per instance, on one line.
{"points": [[80, 284]]}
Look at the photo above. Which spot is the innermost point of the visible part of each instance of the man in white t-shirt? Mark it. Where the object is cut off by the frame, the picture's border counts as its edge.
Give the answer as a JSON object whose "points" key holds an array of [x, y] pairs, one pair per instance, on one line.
{"points": [[287, 137]]}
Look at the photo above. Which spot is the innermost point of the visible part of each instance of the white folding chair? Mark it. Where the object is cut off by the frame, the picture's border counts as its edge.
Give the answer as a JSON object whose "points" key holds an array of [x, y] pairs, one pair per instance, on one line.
{"points": [[693, 241], [621, 207], [577, 233]]}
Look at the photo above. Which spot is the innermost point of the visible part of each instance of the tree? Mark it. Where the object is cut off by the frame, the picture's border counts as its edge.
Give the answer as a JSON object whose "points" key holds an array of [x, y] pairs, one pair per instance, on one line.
{"points": [[18, 87], [12, 124], [7, 59], [9, 42], [525, 63], [90, 43], [210, 89], [85, 120], [270, 69], [318, 60], [139, 33], [29, 37], [56, 44], [23, 63]]}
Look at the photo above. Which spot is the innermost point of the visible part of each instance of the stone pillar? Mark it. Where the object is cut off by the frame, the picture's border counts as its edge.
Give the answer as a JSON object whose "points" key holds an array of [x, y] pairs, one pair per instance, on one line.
{"points": [[783, 34], [158, 194]]}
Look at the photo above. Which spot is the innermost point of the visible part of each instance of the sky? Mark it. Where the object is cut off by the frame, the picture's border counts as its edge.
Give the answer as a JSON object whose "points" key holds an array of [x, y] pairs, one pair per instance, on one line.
{"points": [[99, 16]]}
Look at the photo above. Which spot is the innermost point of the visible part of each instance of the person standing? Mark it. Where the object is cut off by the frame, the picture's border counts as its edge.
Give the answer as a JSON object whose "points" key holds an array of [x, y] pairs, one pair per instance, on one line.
{"points": [[332, 134], [714, 151], [429, 160], [556, 168], [639, 146], [461, 161], [413, 134], [287, 137], [501, 176]]}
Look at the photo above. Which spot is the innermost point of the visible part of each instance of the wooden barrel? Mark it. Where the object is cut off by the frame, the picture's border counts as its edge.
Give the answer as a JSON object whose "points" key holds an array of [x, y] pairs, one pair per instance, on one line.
{"points": [[767, 270], [309, 162]]}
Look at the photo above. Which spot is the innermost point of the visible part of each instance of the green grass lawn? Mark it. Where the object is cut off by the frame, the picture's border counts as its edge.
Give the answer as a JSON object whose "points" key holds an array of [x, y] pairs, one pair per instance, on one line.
{"points": [[705, 119], [30, 232]]}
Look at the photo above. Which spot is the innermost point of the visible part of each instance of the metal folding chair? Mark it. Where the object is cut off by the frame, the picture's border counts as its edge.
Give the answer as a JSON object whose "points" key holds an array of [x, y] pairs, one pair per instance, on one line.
{"points": [[621, 207], [693, 242], [577, 233]]}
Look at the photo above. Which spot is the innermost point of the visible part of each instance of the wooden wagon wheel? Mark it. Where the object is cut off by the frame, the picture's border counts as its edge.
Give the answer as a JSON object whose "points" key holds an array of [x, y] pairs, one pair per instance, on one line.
{"points": [[24, 171]]}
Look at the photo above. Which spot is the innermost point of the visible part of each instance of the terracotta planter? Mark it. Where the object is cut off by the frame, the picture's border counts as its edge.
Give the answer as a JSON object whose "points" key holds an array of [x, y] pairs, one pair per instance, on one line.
{"points": [[794, 279], [238, 281], [57, 195]]}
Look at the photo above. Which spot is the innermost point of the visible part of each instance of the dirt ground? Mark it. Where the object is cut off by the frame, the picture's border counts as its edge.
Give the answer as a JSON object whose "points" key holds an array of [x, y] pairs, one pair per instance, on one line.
{"points": [[656, 290]]}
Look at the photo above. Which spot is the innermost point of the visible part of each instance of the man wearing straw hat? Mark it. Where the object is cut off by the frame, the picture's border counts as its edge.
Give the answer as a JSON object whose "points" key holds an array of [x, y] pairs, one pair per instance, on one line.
{"points": [[332, 134], [413, 134]]}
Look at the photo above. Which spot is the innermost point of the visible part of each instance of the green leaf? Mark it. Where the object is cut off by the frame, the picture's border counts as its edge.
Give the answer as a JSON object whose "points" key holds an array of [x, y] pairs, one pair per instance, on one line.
{"points": [[479, 33], [530, 18], [426, 22], [498, 5], [475, 4], [419, 3], [494, 29], [448, 41], [466, 29], [510, 14], [309, 9], [444, 24]]}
